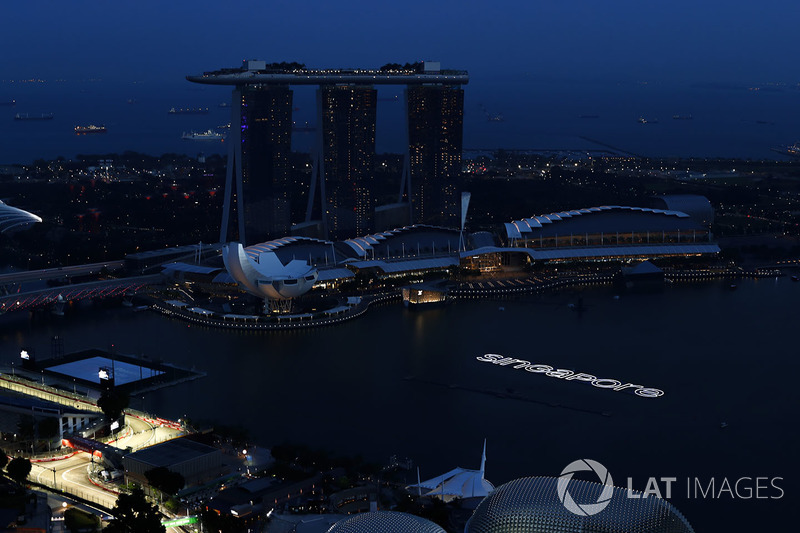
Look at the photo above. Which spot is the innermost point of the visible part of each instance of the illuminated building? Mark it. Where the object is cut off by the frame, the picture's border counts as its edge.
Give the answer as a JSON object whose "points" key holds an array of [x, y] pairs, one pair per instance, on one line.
{"points": [[261, 273], [348, 148], [266, 130], [435, 133], [341, 202], [423, 295]]}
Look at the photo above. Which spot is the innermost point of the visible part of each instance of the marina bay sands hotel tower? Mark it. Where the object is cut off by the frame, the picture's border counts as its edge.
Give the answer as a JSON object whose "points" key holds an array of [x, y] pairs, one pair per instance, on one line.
{"points": [[341, 203]]}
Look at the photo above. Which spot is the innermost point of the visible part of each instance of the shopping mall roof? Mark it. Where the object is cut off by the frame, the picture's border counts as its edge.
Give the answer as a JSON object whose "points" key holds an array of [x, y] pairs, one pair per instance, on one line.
{"points": [[598, 252], [334, 273], [407, 239], [408, 265], [602, 219], [696, 206]]}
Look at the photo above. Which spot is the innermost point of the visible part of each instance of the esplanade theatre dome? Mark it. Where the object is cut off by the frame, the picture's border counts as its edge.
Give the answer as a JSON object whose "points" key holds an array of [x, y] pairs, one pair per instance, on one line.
{"points": [[532, 505], [385, 522]]}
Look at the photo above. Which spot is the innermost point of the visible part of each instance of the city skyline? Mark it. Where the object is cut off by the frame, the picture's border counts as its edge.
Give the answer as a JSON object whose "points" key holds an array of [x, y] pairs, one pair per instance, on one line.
{"points": [[248, 292], [342, 180]]}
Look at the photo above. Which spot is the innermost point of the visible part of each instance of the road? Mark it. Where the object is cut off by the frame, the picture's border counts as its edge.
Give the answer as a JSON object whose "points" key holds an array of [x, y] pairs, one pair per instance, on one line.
{"points": [[55, 273], [71, 474]]}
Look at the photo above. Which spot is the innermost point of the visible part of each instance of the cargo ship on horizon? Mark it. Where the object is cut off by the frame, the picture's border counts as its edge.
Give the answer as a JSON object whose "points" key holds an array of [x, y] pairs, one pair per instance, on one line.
{"points": [[28, 116], [188, 111], [91, 128], [792, 150], [208, 135]]}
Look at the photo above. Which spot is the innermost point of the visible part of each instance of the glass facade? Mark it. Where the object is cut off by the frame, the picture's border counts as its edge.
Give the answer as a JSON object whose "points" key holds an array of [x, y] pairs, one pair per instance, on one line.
{"points": [[348, 144], [435, 143], [266, 130]]}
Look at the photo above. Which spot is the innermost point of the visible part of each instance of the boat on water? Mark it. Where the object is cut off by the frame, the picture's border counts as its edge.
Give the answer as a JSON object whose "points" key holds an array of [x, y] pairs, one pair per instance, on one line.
{"points": [[188, 111], [791, 151], [681, 117], [224, 104], [91, 128], [28, 116], [643, 120], [10, 102], [208, 135]]}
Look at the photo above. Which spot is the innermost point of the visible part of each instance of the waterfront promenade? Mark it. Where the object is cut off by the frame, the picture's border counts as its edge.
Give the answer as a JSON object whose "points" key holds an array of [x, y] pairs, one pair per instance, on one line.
{"points": [[463, 290]]}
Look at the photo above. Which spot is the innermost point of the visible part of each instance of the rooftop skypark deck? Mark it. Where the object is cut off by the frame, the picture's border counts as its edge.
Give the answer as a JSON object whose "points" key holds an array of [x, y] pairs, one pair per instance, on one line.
{"points": [[258, 72]]}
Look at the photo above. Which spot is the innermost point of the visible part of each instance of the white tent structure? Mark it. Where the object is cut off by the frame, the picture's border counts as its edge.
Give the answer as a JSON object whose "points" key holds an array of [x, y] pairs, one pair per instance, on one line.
{"points": [[459, 483]]}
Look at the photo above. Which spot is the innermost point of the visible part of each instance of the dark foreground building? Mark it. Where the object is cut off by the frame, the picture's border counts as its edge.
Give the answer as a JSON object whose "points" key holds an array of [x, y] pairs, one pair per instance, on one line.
{"points": [[196, 462]]}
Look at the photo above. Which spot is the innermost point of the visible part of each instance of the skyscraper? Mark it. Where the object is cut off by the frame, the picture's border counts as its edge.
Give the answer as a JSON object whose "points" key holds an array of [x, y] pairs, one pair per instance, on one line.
{"points": [[266, 137], [341, 200], [348, 149], [435, 141]]}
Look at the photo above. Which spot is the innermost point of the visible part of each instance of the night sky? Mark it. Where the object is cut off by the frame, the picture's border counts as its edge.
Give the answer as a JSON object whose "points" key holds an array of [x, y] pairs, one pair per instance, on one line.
{"points": [[579, 40]]}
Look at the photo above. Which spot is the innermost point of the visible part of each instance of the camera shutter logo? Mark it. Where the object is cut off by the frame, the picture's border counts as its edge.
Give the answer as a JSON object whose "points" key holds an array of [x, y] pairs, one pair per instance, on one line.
{"points": [[585, 509]]}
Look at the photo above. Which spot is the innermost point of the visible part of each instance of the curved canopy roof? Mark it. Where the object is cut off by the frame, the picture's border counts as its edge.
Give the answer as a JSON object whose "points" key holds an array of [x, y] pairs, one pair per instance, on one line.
{"points": [[11, 218], [436, 237], [606, 218], [694, 205]]}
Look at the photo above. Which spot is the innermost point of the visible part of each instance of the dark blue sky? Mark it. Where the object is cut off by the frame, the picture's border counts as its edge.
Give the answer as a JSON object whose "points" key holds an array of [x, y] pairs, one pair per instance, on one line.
{"points": [[617, 40]]}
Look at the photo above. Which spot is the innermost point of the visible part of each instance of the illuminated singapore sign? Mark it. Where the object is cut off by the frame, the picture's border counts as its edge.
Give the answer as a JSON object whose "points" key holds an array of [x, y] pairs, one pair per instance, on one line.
{"points": [[569, 375]]}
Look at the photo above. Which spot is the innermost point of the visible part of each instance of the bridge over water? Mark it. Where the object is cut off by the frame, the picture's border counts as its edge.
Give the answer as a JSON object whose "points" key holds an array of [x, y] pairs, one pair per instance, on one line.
{"points": [[75, 292]]}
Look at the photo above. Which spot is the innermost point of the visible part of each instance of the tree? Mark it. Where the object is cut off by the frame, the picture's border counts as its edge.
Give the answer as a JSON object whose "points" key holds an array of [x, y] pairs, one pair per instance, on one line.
{"points": [[76, 520], [134, 514], [165, 480], [113, 402], [18, 469], [48, 428]]}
